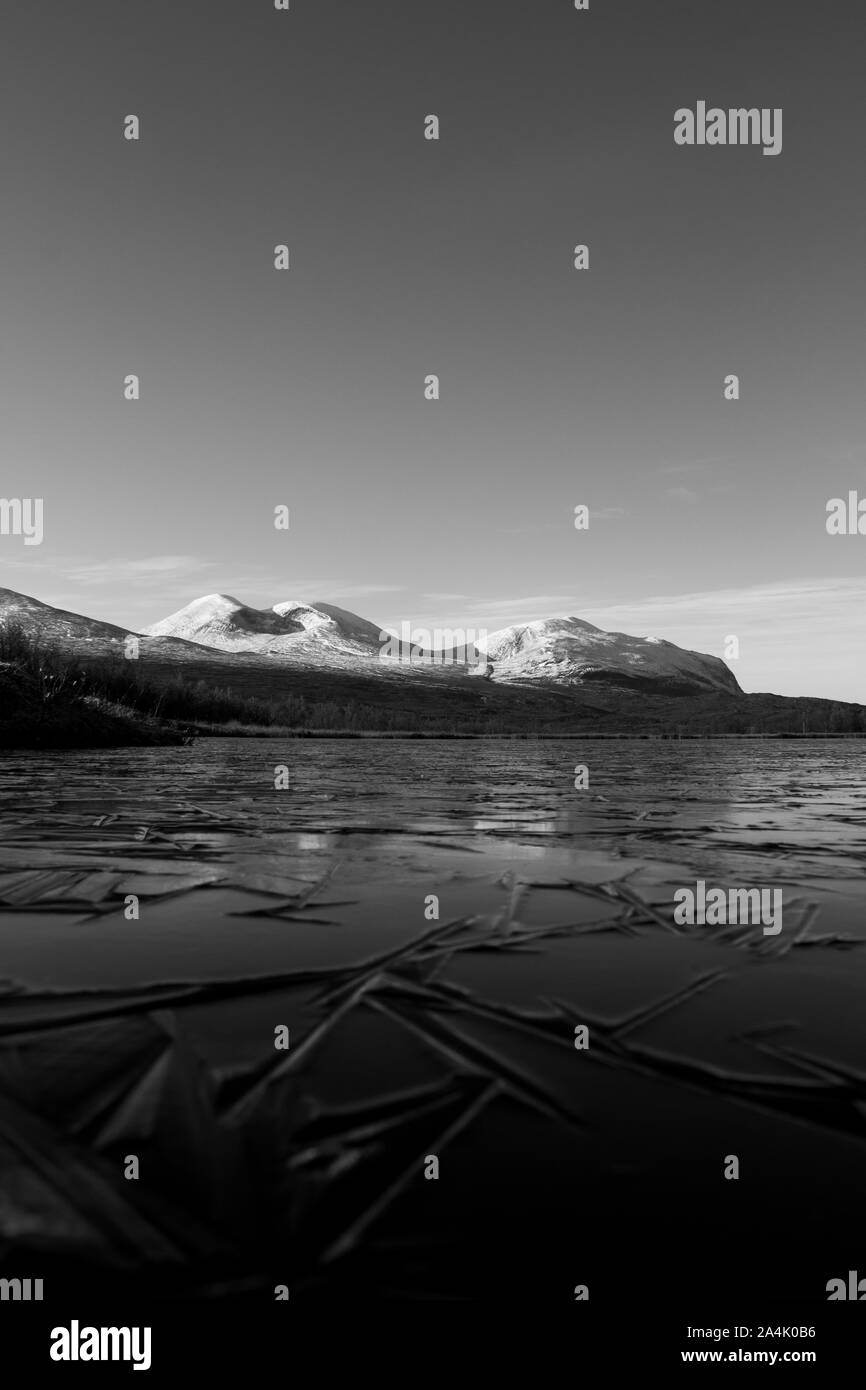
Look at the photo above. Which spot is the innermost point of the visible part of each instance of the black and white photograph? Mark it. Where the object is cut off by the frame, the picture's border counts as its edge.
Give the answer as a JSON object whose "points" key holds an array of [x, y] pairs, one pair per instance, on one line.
{"points": [[432, 678]]}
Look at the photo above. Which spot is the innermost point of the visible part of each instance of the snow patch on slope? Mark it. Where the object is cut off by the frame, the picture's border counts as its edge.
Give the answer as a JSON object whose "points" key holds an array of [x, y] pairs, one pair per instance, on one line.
{"points": [[288, 629], [570, 649], [563, 650]]}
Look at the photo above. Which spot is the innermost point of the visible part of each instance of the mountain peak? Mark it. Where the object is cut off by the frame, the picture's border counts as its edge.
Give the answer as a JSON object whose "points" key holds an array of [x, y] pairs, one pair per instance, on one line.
{"points": [[216, 603], [561, 650], [569, 649], [288, 629]]}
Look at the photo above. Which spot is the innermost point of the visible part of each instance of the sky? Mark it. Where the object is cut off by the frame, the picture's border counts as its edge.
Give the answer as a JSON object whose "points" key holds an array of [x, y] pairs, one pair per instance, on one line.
{"points": [[305, 388]]}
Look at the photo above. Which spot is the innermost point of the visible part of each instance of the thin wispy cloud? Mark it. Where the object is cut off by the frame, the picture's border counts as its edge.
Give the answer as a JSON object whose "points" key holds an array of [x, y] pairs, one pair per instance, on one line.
{"points": [[796, 636], [151, 569], [804, 597], [537, 606], [155, 584], [124, 569]]}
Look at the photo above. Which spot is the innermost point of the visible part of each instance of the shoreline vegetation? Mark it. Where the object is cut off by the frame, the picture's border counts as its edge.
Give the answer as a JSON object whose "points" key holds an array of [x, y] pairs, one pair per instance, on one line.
{"points": [[54, 698]]}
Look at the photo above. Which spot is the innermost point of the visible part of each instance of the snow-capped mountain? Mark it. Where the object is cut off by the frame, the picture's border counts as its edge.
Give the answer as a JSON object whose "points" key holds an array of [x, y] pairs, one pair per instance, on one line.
{"points": [[290, 629], [54, 626], [562, 650], [321, 637], [569, 649], [61, 629]]}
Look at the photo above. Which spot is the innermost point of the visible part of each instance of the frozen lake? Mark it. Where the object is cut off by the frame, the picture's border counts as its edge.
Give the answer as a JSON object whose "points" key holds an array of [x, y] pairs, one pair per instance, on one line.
{"points": [[432, 921]]}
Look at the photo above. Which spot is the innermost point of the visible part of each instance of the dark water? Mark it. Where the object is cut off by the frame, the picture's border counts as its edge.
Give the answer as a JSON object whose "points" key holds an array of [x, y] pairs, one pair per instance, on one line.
{"points": [[417, 1035]]}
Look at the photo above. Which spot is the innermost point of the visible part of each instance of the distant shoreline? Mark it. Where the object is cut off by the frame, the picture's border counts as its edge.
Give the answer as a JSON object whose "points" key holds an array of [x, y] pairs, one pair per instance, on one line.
{"points": [[220, 731], [54, 698]]}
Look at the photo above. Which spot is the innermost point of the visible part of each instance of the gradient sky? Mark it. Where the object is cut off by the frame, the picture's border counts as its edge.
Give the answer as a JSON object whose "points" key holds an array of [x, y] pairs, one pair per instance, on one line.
{"points": [[409, 257]]}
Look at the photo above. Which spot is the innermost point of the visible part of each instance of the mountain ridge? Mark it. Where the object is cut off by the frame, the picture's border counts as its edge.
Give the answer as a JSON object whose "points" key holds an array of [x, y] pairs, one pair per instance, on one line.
{"points": [[561, 650], [565, 681]]}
